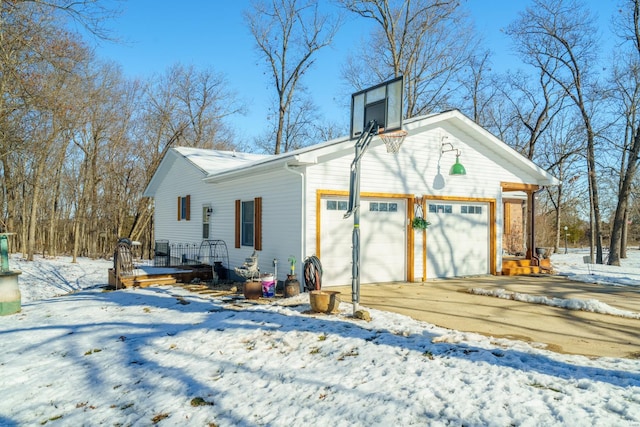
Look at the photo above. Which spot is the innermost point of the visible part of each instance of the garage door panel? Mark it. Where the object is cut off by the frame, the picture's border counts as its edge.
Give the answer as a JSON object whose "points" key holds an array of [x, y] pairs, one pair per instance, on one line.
{"points": [[458, 239], [382, 241], [335, 238]]}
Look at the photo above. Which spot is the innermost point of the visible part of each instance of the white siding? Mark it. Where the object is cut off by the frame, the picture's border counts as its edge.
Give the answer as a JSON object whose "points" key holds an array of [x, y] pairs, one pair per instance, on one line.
{"points": [[414, 170], [281, 221], [182, 179]]}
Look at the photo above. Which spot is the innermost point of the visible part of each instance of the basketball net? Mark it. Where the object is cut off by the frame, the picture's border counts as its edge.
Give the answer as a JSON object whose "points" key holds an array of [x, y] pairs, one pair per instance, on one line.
{"points": [[393, 140]]}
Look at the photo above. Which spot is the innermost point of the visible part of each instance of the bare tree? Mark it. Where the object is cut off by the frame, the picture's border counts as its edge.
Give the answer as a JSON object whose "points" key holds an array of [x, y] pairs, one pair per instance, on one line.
{"points": [[534, 102], [288, 35], [558, 38], [413, 38], [626, 77], [300, 127], [89, 14], [563, 147], [204, 101], [478, 85], [182, 107], [38, 56]]}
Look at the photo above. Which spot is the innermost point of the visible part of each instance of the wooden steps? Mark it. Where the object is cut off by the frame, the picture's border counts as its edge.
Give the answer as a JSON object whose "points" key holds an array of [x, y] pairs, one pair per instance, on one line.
{"points": [[523, 267], [153, 281]]}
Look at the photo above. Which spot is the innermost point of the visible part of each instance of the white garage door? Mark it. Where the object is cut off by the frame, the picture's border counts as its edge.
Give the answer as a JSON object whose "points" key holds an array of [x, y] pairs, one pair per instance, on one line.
{"points": [[457, 239], [382, 241]]}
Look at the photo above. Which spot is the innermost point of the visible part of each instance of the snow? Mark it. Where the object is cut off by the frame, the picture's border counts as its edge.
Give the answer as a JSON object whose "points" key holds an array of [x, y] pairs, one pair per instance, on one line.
{"points": [[212, 161], [80, 355], [591, 305]]}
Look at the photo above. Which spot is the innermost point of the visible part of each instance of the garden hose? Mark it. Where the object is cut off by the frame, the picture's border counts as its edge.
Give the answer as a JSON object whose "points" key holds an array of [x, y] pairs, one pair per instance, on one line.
{"points": [[312, 273]]}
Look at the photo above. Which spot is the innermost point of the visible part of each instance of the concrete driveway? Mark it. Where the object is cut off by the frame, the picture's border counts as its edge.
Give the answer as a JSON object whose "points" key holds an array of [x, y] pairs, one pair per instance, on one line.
{"points": [[447, 303]]}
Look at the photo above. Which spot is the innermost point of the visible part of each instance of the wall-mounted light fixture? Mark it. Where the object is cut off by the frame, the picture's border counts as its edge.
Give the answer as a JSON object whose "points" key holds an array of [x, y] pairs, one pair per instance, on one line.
{"points": [[457, 168], [209, 211]]}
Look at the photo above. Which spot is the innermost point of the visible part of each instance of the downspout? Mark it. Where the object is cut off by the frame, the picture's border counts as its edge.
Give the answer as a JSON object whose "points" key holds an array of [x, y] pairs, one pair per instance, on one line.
{"points": [[303, 216]]}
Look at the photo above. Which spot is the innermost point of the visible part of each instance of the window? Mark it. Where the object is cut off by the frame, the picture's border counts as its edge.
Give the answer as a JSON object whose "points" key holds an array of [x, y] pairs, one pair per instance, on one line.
{"points": [[248, 223], [383, 207], [336, 205], [184, 208], [206, 214], [477, 210], [447, 209]]}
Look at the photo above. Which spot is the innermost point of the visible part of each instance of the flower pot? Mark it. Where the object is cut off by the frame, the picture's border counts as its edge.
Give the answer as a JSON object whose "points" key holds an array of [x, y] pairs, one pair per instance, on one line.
{"points": [[324, 301], [252, 289], [541, 252], [291, 286]]}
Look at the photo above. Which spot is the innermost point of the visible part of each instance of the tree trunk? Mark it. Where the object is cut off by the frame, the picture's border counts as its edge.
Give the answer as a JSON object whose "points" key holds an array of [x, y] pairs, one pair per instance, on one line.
{"points": [[281, 113], [33, 215], [619, 219], [557, 220], [625, 231]]}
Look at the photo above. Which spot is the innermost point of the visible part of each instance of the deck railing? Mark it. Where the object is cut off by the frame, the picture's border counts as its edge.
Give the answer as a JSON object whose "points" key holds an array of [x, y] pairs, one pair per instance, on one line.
{"points": [[178, 253], [174, 254]]}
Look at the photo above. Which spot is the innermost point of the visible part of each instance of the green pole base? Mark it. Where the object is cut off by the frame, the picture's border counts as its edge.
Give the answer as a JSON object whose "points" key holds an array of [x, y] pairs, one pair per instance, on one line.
{"points": [[10, 307]]}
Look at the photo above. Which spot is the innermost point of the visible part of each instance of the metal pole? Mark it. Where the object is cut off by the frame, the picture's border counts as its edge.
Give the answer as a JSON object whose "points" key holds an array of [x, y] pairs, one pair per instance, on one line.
{"points": [[355, 253], [354, 208]]}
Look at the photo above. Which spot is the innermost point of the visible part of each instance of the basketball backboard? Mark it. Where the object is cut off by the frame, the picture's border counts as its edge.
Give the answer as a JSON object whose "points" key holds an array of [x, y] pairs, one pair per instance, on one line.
{"points": [[382, 103]]}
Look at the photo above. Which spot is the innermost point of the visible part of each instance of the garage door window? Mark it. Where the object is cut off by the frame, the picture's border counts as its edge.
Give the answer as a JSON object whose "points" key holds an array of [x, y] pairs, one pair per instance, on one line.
{"points": [[471, 210], [446, 209], [383, 207], [336, 205]]}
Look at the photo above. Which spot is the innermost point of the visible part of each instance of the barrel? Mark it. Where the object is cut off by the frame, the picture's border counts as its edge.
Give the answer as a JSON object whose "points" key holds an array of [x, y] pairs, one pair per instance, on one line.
{"points": [[291, 286]]}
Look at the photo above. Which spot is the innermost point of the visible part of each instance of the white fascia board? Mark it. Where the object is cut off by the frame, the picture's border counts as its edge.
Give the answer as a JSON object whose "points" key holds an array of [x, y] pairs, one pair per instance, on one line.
{"points": [[303, 156]]}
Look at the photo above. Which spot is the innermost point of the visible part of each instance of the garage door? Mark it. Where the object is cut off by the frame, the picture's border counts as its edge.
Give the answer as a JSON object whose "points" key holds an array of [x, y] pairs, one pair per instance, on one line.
{"points": [[382, 241], [457, 239]]}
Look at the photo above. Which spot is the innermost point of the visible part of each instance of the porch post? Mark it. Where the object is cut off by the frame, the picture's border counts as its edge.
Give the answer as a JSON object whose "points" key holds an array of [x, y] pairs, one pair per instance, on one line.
{"points": [[531, 227], [529, 217]]}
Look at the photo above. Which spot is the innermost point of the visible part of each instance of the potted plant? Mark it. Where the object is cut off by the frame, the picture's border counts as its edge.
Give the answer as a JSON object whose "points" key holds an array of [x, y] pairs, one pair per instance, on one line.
{"points": [[291, 285], [419, 223]]}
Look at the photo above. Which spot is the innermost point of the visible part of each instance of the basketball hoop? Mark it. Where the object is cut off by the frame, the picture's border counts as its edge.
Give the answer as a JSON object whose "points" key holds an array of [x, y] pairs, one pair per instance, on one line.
{"points": [[393, 140]]}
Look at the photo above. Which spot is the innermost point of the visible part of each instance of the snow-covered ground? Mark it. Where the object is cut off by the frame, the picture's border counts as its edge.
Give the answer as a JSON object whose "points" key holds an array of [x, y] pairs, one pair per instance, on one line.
{"points": [[78, 355]]}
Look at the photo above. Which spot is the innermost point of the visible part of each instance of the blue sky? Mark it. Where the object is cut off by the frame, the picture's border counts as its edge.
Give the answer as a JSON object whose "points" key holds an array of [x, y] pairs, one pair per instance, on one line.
{"points": [[212, 33]]}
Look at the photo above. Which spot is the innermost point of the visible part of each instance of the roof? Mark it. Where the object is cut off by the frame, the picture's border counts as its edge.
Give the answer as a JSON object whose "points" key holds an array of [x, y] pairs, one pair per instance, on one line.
{"points": [[205, 161], [312, 154], [213, 161]]}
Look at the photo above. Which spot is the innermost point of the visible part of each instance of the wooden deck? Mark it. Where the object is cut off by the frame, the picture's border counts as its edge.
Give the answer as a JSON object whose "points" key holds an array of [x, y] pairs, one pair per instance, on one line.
{"points": [[151, 276]]}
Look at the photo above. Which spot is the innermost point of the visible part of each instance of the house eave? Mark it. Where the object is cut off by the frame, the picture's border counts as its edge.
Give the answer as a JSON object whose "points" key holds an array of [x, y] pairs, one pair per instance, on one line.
{"points": [[261, 166]]}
